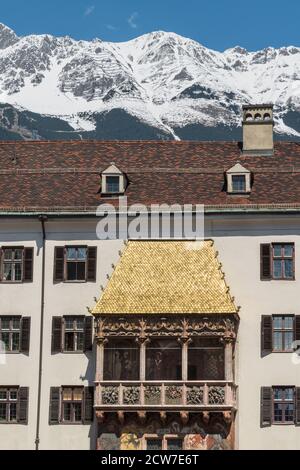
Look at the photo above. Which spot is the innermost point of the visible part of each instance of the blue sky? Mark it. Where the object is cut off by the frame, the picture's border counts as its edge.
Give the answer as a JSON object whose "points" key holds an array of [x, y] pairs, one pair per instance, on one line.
{"points": [[218, 24]]}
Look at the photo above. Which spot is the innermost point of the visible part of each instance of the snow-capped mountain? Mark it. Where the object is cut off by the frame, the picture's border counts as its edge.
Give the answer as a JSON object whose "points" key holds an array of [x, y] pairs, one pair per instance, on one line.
{"points": [[159, 85]]}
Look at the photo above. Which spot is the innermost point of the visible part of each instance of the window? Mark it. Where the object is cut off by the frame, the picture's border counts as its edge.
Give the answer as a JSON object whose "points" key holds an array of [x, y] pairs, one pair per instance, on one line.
{"points": [[238, 179], [121, 360], [76, 258], [174, 443], [206, 359], [16, 264], [283, 333], [72, 334], [75, 264], [72, 404], [163, 360], [10, 330], [8, 405], [13, 405], [283, 261], [13, 264], [154, 444], [278, 333], [277, 261], [113, 181], [112, 184], [164, 443], [283, 404], [238, 183], [15, 333]]}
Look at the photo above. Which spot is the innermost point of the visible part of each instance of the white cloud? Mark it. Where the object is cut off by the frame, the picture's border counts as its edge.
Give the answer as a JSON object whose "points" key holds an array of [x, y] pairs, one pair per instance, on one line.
{"points": [[111, 27], [89, 10], [132, 20]]}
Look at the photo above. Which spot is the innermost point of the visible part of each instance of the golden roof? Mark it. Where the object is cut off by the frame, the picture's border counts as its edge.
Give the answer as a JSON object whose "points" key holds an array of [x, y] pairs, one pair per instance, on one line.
{"points": [[165, 277]]}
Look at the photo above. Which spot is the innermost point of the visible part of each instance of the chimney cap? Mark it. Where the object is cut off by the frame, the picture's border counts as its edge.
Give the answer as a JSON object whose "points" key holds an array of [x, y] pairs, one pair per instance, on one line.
{"points": [[255, 106]]}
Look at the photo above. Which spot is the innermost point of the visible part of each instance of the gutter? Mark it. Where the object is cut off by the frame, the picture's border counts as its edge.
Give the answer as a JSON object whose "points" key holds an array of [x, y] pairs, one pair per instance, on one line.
{"points": [[42, 219], [207, 210]]}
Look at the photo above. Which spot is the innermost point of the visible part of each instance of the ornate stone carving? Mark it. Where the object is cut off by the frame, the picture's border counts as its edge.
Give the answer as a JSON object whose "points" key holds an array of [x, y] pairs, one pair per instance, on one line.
{"points": [[194, 396], [173, 394], [131, 396], [110, 396], [152, 395], [176, 326], [216, 396]]}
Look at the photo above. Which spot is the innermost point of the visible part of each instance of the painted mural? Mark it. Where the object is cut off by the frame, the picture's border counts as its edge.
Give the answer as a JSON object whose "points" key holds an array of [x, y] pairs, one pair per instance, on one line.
{"points": [[216, 435]]}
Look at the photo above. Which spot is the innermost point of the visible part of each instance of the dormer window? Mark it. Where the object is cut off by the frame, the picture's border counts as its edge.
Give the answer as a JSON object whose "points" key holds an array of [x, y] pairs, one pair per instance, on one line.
{"points": [[113, 181], [238, 180]]}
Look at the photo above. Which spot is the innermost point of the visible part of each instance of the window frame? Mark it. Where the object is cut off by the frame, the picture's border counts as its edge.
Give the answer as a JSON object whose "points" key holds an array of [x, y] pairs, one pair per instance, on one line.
{"points": [[8, 402], [107, 191], [72, 402], [282, 258], [11, 331], [293, 401], [163, 439], [282, 331], [66, 261], [64, 330], [239, 191], [3, 262]]}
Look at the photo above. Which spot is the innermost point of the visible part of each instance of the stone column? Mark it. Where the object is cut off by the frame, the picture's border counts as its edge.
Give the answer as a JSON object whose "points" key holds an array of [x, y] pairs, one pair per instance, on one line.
{"points": [[143, 343], [228, 355], [100, 342], [184, 351]]}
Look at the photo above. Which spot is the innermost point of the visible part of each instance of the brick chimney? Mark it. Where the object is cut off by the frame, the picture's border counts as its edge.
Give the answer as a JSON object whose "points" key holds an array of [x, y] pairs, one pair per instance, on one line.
{"points": [[258, 129]]}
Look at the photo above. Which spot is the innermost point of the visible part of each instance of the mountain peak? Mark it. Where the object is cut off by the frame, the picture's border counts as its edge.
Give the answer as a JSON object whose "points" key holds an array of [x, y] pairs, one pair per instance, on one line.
{"points": [[7, 36]]}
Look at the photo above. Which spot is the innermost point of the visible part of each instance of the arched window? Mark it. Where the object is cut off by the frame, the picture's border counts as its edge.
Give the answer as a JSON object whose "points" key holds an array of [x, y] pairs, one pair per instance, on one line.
{"points": [[249, 117], [267, 117], [258, 117]]}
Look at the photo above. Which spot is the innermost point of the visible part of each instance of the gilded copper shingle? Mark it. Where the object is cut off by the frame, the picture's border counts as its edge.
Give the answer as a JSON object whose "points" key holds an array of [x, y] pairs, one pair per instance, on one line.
{"points": [[167, 277]]}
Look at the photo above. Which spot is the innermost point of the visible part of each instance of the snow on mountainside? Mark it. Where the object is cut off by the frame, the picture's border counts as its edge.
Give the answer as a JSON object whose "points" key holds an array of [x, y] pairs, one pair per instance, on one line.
{"points": [[159, 85]]}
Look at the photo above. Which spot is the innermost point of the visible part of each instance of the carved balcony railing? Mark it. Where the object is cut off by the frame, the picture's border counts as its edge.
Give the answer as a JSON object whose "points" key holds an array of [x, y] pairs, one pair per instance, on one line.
{"points": [[167, 395]]}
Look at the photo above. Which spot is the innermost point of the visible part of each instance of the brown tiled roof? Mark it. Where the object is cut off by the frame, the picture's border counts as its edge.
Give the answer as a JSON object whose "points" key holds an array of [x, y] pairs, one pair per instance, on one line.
{"points": [[61, 175]]}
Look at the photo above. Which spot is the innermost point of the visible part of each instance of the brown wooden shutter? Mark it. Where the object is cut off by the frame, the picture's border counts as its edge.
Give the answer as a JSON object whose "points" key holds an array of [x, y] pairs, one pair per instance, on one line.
{"points": [[297, 406], [23, 405], [297, 328], [88, 405], [266, 407], [88, 333], [59, 252], [25, 335], [92, 264], [54, 415], [28, 265], [265, 262], [266, 333], [56, 344]]}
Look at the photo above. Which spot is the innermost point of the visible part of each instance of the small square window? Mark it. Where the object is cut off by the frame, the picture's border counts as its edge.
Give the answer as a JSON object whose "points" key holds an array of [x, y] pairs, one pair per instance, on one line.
{"points": [[112, 184], [154, 444], [239, 183]]}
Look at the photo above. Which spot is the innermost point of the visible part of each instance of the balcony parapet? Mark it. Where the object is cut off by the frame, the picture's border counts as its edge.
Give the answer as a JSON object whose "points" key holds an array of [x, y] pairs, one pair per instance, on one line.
{"points": [[166, 395]]}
